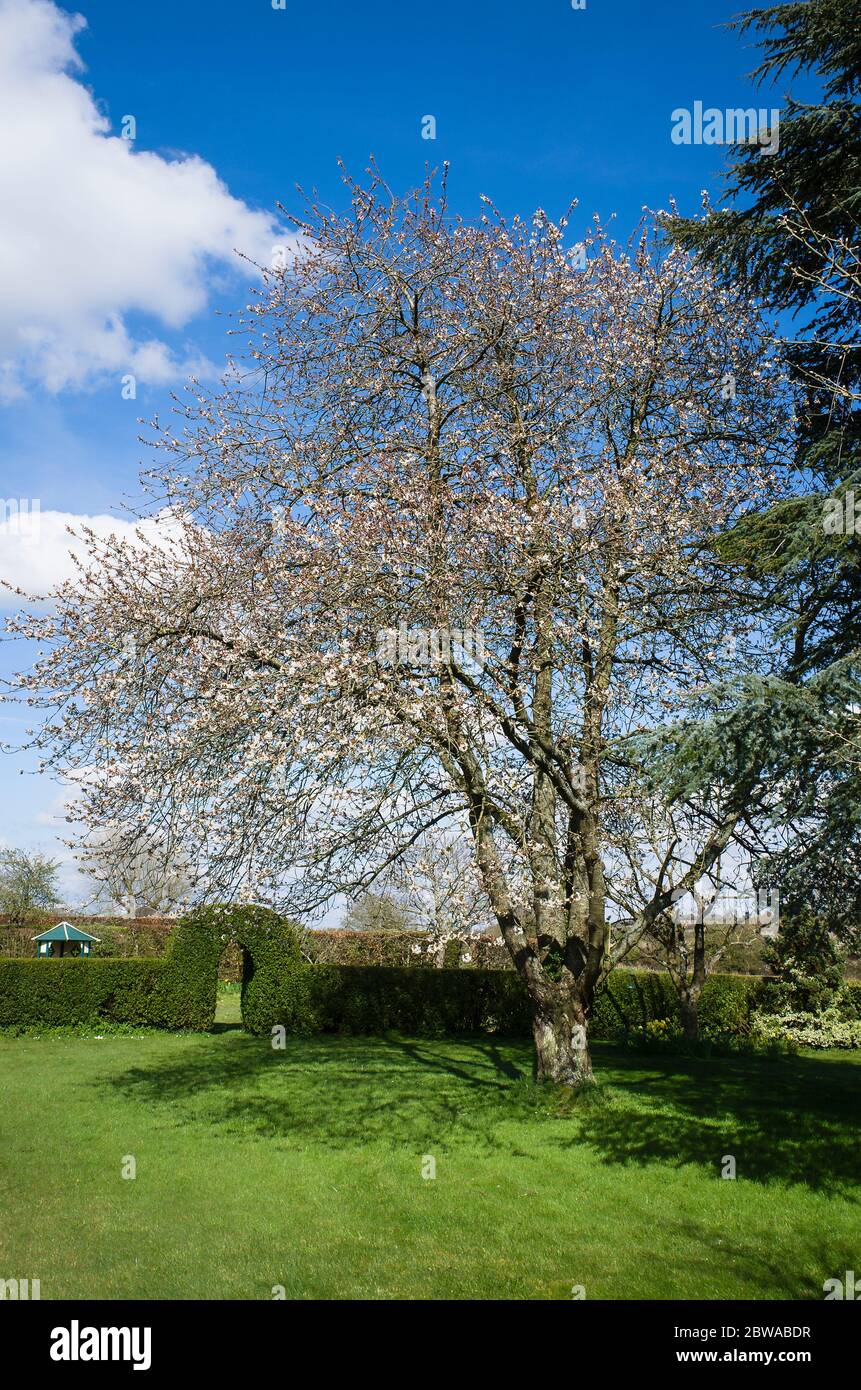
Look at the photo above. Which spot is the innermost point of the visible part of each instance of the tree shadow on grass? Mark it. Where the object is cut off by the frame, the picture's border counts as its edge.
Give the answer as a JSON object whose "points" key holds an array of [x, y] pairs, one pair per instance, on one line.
{"points": [[816, 1256], [338, 1092], [789, 1119]]}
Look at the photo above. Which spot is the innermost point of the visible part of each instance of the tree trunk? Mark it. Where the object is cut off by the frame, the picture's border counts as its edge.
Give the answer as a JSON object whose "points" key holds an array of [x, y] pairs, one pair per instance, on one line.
{"points": [[561, 1044], [689, 1007], [689, 997]]}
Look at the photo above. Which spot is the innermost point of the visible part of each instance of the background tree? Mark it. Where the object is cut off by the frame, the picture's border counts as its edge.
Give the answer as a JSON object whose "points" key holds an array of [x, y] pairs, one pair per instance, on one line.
{"points": [[146, 877], [694, 935], [792, 234], [376, 912], [691, 942], [792, 237], [438, 887], [28, 884], [437, 428]]}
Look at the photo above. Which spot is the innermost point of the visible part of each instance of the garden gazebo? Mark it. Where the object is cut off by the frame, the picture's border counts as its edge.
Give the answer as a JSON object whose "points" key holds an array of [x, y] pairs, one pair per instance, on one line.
{"points": [[65, 940]]}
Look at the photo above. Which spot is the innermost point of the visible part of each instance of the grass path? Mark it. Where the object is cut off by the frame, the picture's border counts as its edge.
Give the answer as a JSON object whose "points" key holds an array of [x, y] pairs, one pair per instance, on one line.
{"points": [[302, 1168]]}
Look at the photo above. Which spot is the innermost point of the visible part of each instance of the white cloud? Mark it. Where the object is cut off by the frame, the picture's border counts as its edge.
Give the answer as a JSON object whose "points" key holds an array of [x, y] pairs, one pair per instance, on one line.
{"points": [[93, 231], [37, 552]]}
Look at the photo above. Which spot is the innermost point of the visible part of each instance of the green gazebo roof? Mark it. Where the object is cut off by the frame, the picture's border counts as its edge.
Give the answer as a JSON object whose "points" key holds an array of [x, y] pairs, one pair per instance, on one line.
{"points": [[64, 931]]}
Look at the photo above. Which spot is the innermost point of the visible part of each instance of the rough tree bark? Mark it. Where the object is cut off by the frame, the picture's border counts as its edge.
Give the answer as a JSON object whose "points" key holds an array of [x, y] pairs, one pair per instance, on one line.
{"points": [[561, 1041], [691, 987]]}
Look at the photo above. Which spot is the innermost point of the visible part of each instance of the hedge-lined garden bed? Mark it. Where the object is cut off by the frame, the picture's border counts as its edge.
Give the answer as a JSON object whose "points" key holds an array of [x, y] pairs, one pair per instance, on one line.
{"points": [[634, 1004], [281, 987]]}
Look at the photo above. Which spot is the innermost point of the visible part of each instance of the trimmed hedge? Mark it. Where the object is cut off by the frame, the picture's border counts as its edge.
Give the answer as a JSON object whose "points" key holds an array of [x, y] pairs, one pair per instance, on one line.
{"points": [[188, 989], [170, 993], [339, 946], [375, 999], [51, 993], [629, 1000], [633, 999], [379, 998], [271, 954]]}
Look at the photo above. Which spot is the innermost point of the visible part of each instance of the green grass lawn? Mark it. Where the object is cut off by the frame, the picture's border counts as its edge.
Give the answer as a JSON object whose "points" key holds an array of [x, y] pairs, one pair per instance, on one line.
{"points": [[303, 1168]]}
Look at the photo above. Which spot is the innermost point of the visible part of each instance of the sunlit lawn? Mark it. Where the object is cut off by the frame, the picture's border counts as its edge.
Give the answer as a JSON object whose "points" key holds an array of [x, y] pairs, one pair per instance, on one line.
{"points": [[303, 1168]]}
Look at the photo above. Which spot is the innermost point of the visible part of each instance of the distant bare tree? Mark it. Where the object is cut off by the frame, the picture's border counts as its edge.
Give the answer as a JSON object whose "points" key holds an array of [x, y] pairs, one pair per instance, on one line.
{"points": [[439, 886], [147, 878], [376, 912]]}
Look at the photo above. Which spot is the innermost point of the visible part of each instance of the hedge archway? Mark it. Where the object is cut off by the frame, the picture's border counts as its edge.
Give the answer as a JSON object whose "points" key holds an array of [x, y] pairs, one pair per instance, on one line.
{"points": [[270, 950]]}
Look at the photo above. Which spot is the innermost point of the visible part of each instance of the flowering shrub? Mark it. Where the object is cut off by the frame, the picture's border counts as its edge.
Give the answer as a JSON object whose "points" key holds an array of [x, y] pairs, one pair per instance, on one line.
{"points": [[659, 1029], [830, 1028]]}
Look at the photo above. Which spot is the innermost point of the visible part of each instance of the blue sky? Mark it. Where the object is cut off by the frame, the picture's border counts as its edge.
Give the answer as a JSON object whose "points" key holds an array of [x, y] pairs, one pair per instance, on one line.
{"points": [[534, 104]]}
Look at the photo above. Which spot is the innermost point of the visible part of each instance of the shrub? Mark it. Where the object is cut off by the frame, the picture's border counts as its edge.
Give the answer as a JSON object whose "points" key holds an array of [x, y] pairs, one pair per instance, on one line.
{"points": [[838, 1025], [633, 1001], [807, 963], [726, 1005], [630, 1000], [851, 999], [828, 1028]]}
